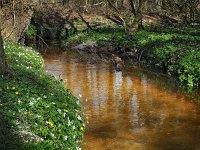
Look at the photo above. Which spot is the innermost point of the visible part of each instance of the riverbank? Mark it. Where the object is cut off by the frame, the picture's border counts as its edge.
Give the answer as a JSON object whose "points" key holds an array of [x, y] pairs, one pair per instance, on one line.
{"points": [[36, 110], [172, 50]]}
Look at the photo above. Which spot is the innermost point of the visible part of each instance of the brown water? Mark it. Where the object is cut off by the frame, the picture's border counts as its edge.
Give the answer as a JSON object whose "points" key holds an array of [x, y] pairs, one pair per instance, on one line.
{"points": [[128, 110]]}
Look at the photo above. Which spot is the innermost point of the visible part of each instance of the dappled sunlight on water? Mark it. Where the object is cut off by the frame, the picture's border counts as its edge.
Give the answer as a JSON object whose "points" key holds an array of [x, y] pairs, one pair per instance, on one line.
{"points": [[125, 111]]}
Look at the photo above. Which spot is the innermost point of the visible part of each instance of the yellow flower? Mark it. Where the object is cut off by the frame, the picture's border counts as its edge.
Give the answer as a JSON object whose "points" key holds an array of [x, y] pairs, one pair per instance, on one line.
{"points": [[13, 88], [37, 141], [1, 105], [17, 93], [81, 128], [49, 123], [8, 88]]}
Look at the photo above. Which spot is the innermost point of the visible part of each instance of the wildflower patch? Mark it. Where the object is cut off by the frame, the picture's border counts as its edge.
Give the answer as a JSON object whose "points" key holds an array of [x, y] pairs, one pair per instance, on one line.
{"points": [[36, 110]]}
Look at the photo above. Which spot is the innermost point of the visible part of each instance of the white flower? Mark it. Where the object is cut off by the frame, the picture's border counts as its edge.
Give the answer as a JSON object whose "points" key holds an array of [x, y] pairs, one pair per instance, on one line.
{"points": [[79, 117], [80, 95], [17, 122], [52, 135], [65, 138], [31, 103], [69, 122], [33, 99], [73, 127], [59, 110], [38, 116]]}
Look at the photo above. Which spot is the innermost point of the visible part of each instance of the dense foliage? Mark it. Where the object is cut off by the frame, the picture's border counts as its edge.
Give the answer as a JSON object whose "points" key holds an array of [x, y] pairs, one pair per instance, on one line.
{"points": [[173, 50], [36, 110]]}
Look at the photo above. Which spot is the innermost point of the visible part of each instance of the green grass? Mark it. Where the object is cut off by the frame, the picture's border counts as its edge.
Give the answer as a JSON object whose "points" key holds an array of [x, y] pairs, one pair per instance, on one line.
{"points": [[172, 50], [36, 110]]}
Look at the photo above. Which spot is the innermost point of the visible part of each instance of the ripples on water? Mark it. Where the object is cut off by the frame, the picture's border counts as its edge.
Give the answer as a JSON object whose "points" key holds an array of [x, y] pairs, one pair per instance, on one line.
{"points": [[126, 111]]}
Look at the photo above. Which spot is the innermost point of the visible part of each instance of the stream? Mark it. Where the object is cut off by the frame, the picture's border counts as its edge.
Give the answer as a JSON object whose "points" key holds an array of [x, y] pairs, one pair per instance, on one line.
{"points": [[128, 110]]}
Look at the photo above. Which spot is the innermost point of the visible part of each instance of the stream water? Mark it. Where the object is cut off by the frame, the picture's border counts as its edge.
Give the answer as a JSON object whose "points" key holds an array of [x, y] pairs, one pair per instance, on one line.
{"points": [[128, 110]]}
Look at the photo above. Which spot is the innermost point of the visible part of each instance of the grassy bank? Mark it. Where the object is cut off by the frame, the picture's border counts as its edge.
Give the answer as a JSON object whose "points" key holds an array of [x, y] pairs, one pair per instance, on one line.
{"points": [[172, 50], [36, 110]]}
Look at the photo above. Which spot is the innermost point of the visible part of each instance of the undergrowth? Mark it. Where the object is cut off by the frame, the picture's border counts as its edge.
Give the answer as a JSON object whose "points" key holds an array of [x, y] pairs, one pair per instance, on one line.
{"points": [[36, 110]]}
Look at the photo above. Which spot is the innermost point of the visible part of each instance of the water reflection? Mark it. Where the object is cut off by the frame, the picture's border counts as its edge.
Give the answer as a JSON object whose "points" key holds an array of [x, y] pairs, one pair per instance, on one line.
{"points": [[125, 111]]}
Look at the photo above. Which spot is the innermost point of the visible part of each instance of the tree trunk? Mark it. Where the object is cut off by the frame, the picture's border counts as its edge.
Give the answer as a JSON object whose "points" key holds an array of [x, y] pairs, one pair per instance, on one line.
{"points": [[3, 64], [139, 14], [139, 21]]}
